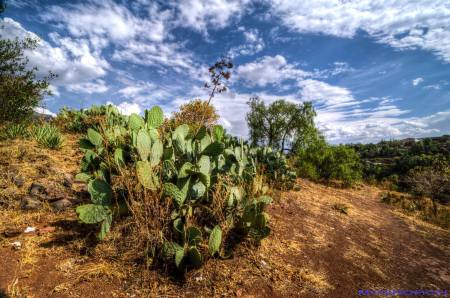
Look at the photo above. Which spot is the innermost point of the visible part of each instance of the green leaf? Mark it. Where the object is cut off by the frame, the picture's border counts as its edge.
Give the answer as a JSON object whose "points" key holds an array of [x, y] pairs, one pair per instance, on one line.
{"points": [[214, 149], [155, 117], [143, 144], [215, 239], [101, 192], [92, 213], [193, 235], [135, 122], [94, 137], [145, 174], [175, 193]]}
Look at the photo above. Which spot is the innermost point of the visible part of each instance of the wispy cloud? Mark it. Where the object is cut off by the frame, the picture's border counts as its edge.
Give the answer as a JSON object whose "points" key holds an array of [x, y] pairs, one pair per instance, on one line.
{"points": [[417, 81], [402, 24]]}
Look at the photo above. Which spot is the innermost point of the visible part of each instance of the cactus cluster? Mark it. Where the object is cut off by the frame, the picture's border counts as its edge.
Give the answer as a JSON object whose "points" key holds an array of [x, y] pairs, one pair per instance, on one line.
{"points": [[183, 166]]}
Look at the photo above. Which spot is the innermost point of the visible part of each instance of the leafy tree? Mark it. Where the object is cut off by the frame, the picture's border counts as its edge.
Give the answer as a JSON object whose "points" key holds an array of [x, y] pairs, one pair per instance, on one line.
{"points": [[20, 91], [322, 161], [281, 122], [196, 113]]}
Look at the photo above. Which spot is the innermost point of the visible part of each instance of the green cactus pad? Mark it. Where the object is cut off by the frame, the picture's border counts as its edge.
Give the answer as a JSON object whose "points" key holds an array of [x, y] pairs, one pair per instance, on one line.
{"points": [[215, 239], [185, 169], [85, 144], [156, 153], [193, 235], [214, 149], [135, 122], [92, 213], [145, 175], [198, 190], [83, 177], [119, 157], [218, 132], [154, 117], [143, 144], [204, 165], [94, 137], [175, 193], [105, 226], [194, 257], [179, 257], [100, 191]]}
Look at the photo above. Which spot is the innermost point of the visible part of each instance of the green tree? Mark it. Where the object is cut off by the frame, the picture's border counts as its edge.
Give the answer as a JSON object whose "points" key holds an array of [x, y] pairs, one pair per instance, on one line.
{"points": [[20, 90], [280, 122]]}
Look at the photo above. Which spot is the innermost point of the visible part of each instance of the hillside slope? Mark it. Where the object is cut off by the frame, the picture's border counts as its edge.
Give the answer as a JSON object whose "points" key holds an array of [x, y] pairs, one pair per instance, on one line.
{"points": [[314, 249]]}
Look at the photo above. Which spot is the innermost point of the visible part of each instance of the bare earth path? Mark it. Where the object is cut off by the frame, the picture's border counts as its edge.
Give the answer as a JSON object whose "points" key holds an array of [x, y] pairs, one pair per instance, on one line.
{"points": [[372, 247], [314, 251]]}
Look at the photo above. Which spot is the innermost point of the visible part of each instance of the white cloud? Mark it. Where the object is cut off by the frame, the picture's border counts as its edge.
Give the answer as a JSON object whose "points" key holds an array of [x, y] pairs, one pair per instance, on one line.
{"points": [[99, 86], [417, 81], [72, 60], [127, 108], [254, 43], [329, 96], [402, 24], [105, 21], [268, 70], [202, 15], [432, 87], [44, 111]]}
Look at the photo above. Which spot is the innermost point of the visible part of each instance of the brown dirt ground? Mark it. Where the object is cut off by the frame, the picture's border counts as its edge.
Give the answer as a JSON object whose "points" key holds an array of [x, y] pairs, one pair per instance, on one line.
{"points": [[314, 250]]}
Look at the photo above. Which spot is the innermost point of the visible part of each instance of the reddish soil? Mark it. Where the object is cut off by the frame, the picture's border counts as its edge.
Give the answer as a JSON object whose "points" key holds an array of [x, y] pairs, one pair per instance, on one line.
{"points": [[314, 251]]}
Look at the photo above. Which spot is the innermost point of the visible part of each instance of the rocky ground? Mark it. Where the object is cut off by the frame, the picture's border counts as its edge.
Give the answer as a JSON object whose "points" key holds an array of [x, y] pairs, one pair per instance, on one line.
{"points": [[326, 242]]}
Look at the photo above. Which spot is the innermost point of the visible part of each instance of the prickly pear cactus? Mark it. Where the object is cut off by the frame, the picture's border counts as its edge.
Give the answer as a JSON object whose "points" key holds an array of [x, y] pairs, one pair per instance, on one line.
{"points": [[183, 168]]}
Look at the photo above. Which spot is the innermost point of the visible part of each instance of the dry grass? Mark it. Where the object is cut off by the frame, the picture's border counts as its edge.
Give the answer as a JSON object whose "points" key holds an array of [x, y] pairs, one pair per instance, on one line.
{"points": [[419, 207]]}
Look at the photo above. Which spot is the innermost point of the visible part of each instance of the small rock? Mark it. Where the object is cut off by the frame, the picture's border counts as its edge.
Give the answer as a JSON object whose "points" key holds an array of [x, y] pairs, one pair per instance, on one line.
{"points": [[18, 181], [30, 230], [198, 278], [37, 189], [61, 205], [29, 203], [12, 232], [16, 245], [47, 230], [264, 264], [52, 197], [68, 180]]}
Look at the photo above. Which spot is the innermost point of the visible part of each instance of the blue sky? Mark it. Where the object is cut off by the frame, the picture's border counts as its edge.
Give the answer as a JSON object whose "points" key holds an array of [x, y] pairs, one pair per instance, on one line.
{"points": [[373, 69]]}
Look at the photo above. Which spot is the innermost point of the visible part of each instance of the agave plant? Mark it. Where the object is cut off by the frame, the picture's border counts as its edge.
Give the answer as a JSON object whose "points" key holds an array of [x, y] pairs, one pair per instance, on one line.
{"points": [[14, 131], [47, 136]]}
